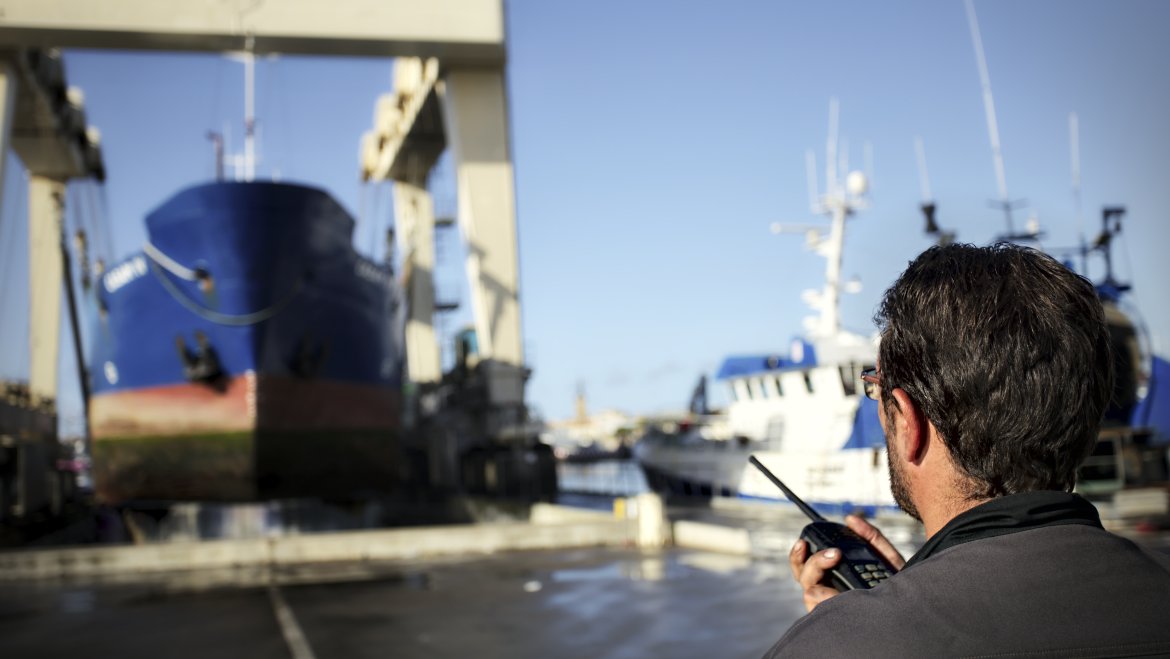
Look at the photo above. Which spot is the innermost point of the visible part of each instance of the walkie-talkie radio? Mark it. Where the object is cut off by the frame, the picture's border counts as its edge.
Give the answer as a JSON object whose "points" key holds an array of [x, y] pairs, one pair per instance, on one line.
{"points": [[861, 566]]}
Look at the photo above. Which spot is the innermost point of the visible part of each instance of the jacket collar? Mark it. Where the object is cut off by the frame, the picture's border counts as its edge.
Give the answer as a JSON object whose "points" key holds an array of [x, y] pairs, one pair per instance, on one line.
{"points": [[1010, 514]]}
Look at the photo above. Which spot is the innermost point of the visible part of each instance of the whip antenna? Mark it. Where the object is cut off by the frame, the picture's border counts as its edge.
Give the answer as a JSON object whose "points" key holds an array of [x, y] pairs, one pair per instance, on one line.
{"points": [[810, 167], [923, 175], [928, 206], [831, 150], [1005, 203], [1074, 140]]}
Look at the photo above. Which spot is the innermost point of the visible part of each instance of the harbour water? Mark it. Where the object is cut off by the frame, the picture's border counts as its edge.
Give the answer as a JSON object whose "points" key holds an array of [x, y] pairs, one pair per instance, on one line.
{"points": [[772, 527], [603, 477]]}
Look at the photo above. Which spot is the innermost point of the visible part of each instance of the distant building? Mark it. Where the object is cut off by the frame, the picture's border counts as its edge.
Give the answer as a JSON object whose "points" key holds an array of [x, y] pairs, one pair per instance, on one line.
{"points": [[605, 430]]}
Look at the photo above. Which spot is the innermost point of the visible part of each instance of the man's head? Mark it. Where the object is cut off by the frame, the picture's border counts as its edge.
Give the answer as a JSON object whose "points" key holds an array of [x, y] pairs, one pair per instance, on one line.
{"points": [[1006, 353]]}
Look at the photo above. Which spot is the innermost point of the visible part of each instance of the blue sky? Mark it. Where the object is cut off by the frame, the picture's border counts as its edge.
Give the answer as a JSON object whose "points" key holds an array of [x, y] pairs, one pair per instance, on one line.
{"points": [[655, 143]]}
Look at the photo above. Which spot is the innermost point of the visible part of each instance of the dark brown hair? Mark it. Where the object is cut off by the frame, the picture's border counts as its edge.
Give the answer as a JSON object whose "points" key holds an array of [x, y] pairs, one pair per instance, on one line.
{"points": [[1007, 353]]}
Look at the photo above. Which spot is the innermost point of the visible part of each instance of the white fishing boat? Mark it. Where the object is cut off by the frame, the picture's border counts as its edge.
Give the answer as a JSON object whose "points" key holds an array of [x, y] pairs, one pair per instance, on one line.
{"points": [[803, 412], [806, 418]]}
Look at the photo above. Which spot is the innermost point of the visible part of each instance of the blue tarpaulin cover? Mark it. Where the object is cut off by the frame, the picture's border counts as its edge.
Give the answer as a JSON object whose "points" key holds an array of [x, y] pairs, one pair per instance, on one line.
{"points": [[1153, 411], [867, 430]]}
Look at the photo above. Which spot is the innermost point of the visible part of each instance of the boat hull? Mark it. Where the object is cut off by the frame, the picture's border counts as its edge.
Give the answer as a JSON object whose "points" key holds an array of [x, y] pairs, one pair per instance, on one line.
{"points": [[275, 372], [262, 437], [841, 482]]}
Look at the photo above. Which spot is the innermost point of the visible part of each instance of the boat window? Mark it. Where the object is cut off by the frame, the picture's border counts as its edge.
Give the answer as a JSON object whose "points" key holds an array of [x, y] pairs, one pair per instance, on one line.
{"points": [[733, 392], [849, 375], [763, 386], [779, 387], [808, 381], [745, 391]]}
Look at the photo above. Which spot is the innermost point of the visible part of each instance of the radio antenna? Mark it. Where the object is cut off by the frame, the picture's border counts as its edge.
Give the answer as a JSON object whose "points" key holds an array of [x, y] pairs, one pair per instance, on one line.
{"points": [[1074, 140], [928, 206], [923, 175], [867, 154], [843, 195], [810, 166], [831, 150], [804, 507], [1004, 202]]}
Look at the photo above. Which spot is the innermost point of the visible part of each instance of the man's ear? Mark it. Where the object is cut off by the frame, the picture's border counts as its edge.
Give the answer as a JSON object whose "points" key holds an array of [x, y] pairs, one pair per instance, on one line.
{"points": [[911, 425]]}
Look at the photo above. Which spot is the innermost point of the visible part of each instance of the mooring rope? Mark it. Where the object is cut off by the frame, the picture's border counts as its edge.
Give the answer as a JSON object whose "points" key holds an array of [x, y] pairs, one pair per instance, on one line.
{"points": [[174, 267], [218, 317]]}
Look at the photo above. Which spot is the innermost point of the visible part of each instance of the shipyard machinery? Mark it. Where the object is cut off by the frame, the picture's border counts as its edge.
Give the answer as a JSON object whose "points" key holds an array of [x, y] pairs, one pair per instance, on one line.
{"points": [[471, 421], [37, 477], [44, 123], [449, 94]]}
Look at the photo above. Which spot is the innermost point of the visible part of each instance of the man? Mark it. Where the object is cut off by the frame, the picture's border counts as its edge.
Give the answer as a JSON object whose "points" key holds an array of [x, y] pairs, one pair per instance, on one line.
{"points": [[993, 373]]}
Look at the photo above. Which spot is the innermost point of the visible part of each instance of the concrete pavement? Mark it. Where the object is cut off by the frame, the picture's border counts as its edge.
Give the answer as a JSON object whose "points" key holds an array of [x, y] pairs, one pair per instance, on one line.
{"points": [[592, 602]]}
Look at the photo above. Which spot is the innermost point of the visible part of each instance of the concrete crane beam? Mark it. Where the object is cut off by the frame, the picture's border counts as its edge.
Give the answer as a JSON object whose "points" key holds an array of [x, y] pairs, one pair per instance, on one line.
{"points": [[463, 32], [9, 91], [408, 134], [415, 219], [45, 277], [44, 123], [464, 109], [476, 115], [47, 126]]}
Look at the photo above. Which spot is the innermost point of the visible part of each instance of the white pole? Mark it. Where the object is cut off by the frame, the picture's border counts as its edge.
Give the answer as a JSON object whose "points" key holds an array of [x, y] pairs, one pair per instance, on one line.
{"points": [[249, 111], [837, 202], [8, 91], [831, 150], [843, 159], [923, 175], [867, 154], [988, 104], [1074, 138], [810, 166], [830, 321]]}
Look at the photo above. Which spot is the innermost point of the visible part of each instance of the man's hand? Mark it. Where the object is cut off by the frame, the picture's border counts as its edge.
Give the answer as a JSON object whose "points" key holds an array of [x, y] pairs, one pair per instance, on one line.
{"points": [[811, 572], [874, 537]]}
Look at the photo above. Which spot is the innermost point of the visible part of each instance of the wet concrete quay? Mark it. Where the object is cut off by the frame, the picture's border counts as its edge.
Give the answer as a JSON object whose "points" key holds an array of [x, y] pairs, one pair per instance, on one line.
{"points": [[616, 600], [597, 602]]}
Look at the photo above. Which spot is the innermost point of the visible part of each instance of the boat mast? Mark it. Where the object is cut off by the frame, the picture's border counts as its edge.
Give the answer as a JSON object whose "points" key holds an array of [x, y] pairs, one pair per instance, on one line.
{"points": [[841, 199], [217, 148], [1004, 202], [832, 250], [249, 109], [1074, 139]]}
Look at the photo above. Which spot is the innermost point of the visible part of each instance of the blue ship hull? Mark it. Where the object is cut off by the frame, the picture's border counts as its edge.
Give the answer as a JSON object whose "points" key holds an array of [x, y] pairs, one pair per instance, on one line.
{"points": [[247, 352]]}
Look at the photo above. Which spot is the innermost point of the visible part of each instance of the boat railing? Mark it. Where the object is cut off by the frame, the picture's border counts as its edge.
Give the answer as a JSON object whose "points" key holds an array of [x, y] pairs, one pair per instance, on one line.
{"points": [[1123, 457]]}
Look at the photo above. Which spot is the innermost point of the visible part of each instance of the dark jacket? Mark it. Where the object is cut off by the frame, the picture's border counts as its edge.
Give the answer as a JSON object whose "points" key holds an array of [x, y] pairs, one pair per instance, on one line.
{"points": [[1029, 575]]}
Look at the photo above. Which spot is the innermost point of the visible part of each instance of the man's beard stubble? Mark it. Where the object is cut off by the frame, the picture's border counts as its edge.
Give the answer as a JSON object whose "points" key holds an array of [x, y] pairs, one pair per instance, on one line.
{"points": [[898, 485]]}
